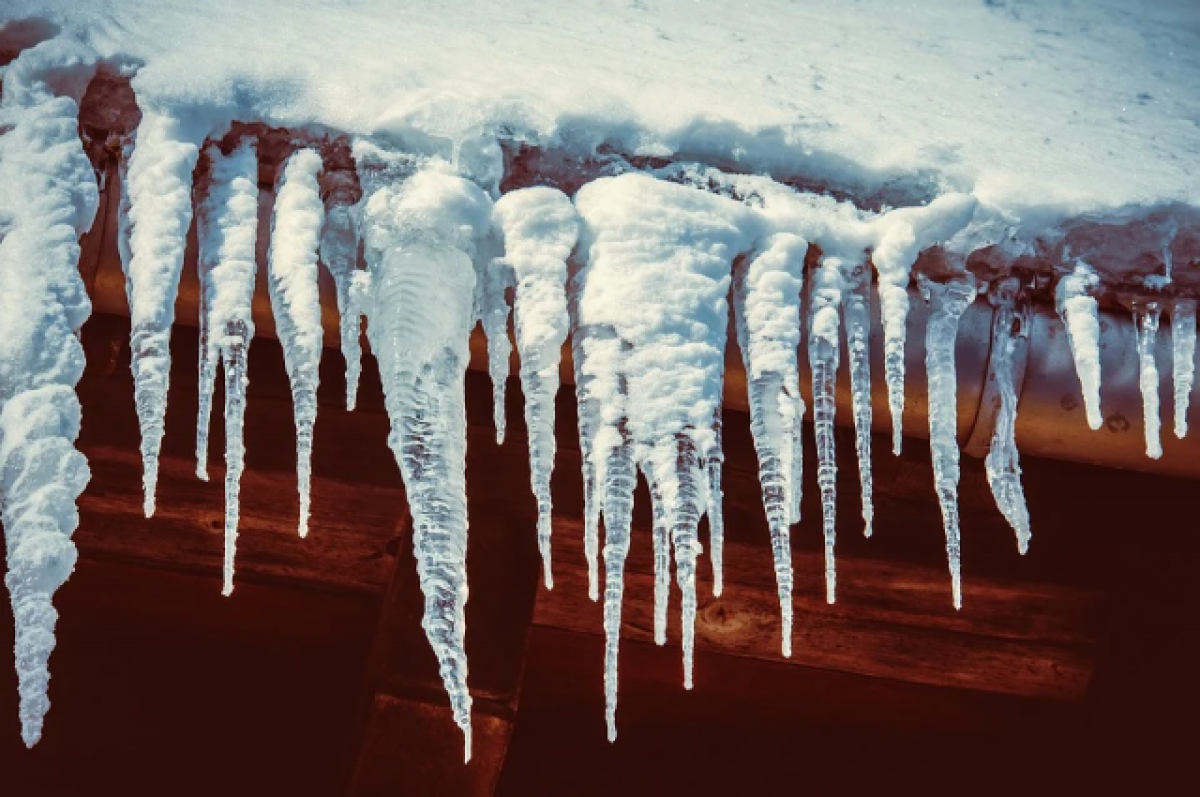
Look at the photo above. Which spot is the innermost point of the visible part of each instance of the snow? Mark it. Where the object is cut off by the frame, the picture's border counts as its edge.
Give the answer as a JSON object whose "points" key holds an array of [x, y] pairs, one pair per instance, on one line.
{"points": [[421, 232], [539, 228], [227, 228], [48, 198], [295, 301]]}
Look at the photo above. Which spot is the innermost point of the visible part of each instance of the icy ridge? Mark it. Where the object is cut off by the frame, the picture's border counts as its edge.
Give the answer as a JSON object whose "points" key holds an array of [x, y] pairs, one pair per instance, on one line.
{"points": [[227, 231], [421, 234], [539, 227], [48, 198], [295, 301]]}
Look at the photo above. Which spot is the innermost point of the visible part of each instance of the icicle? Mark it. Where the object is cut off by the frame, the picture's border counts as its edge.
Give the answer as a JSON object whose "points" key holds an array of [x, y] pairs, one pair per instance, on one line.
{"points": [[296, 302], [766, 301], [1076, 301], [856, 310], [1146, 316], [156, 212], [823, 322], [339, 253], [48, 199], [539, 227], [421, 235], [651, 315], [903, 233], [227, 229], [1183, 351], [498, 280], [1003, 462], [947, 302]]}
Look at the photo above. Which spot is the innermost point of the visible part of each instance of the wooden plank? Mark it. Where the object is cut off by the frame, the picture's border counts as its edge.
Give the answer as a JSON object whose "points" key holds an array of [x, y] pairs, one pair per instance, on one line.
{"points": [[892, 620]]}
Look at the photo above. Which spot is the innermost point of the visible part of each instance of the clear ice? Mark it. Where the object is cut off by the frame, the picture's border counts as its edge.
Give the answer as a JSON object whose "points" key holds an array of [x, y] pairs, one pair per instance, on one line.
{"points": [[421, 234], [1183, 359], [1146, 316], [947, 302], [766, 303], [227, 231], [295, 301], [1003, 464]]}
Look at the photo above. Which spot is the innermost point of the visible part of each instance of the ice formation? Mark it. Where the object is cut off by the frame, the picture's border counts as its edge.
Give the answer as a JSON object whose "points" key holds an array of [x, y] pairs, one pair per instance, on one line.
{"points": [[339, 253], [539, 228], [1183, 359], [156, 213], [824, 322], [1076, 302], [1003, 464], [421, 231], [948, 300], [1146, 315], [652, 312], [856, 313], [48, 198], [295, 301], [227, 230], [766, 303], [902, 235]]}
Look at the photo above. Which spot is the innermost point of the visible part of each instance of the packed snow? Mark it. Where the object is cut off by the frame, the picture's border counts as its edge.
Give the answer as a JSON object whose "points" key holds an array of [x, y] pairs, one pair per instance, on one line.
{"points": [[889, 133]]}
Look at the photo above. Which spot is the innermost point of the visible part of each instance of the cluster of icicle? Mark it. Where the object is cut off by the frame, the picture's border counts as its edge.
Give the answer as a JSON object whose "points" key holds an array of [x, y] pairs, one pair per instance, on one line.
{"points": [[638, 271]]}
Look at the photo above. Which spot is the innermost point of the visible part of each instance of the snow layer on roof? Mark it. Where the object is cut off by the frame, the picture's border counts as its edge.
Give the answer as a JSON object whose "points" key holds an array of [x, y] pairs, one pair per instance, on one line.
{"points": [[1041, 108]]}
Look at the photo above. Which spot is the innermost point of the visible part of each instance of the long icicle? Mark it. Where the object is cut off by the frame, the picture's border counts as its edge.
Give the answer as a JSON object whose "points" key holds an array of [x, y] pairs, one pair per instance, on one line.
{"points": [[824, 321], [1183, 359], [1076, 302], [1146, 316], [947, 302], [421, 236], [296, 303], [766, 303], [50, 198], [227, 229], [539, 226], [856, 313], [156, 211], [339, 253], [1003, 464]]}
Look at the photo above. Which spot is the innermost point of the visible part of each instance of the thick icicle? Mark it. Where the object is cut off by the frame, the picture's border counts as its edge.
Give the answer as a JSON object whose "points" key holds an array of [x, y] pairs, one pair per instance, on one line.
{"points": [[227, 229], [1076, 301], [156, 211], [48, 198], [421, 235], [903, 233], [339, 253], [1183, 358], [766, 302], [1146, 316], [856, 312], [823, 325], [1003, 463], [497, 281], [651, 316], [539, 227], [947, 303], [296, 302]]}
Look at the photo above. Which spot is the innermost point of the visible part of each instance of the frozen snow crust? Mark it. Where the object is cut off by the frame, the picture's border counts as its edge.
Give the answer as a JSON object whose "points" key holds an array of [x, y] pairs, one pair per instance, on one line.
{"points": [[622, 178]]}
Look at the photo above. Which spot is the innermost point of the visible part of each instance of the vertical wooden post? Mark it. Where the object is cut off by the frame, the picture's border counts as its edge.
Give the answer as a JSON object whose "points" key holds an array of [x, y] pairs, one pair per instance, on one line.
{"points": [[407, 742]]}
